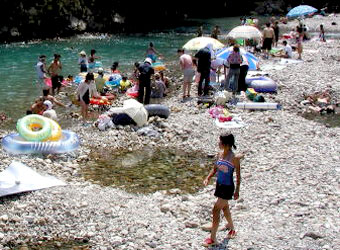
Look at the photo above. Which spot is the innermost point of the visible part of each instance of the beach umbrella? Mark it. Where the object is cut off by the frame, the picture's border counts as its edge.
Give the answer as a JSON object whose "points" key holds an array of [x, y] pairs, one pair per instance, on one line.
{"points": [[198, 43], [252, 60], [134, 109], [245, 32], [301, 10]]}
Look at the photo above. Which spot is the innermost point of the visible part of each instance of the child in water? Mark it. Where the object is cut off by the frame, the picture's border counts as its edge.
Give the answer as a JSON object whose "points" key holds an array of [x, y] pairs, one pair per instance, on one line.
{"points": [[226, 164], [91, 65], [152, 53], [82, 61]]}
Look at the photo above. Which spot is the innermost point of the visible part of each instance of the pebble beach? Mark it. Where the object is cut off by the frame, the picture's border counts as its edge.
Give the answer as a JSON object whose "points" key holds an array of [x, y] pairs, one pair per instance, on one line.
{"points": [[289, 196]]}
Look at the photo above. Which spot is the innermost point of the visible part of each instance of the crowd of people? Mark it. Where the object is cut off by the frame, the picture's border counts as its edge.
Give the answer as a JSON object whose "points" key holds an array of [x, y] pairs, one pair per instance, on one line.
{"points": [[203, 67], [148, 83]]}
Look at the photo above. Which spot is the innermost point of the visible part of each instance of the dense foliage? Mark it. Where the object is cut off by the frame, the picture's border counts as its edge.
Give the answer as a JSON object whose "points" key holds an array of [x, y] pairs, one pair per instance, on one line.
{"points": [[25, 19]]}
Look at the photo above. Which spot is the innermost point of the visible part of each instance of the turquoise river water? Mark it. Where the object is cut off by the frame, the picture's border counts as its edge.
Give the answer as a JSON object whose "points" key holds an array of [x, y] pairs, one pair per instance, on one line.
{"points": [[18, 75]]}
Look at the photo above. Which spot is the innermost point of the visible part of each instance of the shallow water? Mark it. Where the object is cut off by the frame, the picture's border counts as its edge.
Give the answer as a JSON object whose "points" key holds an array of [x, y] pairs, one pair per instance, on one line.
{"points": [[18, 60], [148, 170]]}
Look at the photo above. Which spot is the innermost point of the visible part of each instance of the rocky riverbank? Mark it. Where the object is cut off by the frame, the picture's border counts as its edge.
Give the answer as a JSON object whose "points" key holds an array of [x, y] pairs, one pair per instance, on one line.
{"points": [[290, 178], [331, 24]]}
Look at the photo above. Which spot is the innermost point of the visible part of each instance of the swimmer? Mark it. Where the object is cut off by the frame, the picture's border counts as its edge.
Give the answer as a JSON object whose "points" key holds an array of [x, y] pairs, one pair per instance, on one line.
{"points": [[82, 61], [54, 70], [114, 68], [151, 52]]}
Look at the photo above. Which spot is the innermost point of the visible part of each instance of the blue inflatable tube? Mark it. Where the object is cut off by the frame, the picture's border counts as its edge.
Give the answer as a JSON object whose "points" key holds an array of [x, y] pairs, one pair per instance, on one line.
{"points": [[261, 84], [15, 144], [114, 80], [79, 79], [255, 78], [98, 64]]}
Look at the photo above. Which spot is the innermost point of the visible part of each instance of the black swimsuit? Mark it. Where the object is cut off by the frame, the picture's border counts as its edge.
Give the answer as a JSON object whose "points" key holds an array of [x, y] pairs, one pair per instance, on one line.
{"points": [[86, 97]]}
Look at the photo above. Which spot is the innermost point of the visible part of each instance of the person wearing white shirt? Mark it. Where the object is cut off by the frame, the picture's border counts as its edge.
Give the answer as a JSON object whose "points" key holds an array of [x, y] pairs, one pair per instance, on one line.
{"points": [[288, 51], [41, 72], [49, 112]]}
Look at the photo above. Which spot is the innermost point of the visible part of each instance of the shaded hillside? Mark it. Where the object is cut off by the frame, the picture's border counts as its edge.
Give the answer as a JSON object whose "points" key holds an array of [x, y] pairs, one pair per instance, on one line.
{"points": [[23, 19]]}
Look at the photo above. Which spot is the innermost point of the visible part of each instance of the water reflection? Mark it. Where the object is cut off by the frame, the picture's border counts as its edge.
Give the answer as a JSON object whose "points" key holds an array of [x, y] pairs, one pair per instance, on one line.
{"points": [[148, 170]]}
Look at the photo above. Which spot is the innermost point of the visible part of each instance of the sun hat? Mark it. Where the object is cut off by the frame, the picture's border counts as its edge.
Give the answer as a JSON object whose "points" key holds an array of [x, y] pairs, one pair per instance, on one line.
{"points": [[82, 53], [148, 60], [48, 104]]}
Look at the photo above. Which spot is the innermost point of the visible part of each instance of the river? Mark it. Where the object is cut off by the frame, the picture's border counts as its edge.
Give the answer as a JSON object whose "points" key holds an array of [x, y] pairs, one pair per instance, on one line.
{"points": [[18, 75]]}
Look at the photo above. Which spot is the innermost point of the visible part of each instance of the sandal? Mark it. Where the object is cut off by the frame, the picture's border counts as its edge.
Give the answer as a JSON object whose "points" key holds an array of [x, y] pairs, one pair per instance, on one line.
{"points": [[209, 242], [226, 228], [231, 234]]}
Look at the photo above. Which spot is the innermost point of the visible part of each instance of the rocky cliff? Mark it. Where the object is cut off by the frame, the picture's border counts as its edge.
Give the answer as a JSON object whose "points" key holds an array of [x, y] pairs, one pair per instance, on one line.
{"points": [[24, 20]]}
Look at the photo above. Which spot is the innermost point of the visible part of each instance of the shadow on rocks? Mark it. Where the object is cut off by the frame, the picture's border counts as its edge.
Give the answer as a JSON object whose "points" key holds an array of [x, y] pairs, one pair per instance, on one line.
{"points": [[221, 246]]}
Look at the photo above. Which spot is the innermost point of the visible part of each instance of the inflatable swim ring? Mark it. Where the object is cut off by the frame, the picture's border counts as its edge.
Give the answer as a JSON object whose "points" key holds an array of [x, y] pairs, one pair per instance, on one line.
{"points": [[95, 101], [55, 130], [48, 82], [132, 92], [153, 57], [15, 144], [157, 110], [114, 80], [158, 66], [98, 64], [79, 79], [261, 84], [34, 128]]}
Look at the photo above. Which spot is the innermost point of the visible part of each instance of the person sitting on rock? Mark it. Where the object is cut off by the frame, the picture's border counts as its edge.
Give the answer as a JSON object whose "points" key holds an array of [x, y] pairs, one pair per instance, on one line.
{"points": [[164, 78], [38, 106], [287, 51], [47, 97], [49, 112], [157, 87], [124, 84]]}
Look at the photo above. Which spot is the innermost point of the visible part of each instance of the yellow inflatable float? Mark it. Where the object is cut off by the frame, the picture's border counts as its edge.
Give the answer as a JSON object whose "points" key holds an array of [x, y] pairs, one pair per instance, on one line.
{"points": [[38, 128]]}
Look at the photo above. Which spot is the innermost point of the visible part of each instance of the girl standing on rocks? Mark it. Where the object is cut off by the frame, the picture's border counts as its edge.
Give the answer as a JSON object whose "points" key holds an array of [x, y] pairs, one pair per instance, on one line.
{"points": [[299, 41], [225, 188], [83, 94]]}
